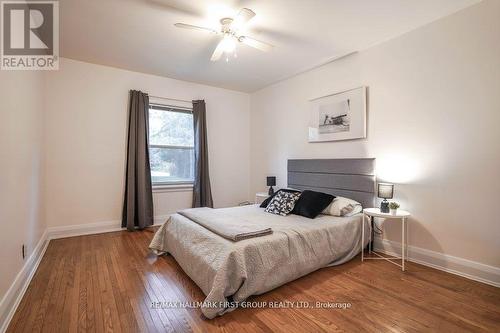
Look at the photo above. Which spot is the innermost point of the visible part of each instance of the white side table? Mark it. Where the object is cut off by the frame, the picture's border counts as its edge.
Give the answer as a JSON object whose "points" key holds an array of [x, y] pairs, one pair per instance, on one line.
{"points": [[401, 215], [260, 196]]}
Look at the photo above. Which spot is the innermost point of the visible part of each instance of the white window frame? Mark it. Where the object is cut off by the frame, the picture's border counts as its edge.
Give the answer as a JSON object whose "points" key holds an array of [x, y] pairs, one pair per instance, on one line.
{"points": [[179, 185]]}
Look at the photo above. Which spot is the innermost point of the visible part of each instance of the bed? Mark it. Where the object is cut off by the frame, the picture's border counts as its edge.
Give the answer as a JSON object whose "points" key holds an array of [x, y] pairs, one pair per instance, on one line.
{"points": [[230, 271]]}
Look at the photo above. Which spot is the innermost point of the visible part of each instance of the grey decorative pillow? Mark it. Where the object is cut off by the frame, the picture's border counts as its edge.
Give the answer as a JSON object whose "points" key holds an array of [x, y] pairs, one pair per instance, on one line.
{"points": [[283, 203]]}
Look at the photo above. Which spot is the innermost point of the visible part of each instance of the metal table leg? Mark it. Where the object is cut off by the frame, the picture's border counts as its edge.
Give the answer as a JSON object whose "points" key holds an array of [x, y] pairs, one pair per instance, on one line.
{"points": [[403, 247], [363, 237], [372, 239]]}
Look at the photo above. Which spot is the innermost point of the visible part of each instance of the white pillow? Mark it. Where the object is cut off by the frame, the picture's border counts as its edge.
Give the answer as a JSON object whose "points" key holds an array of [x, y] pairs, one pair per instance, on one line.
{"points": [[341, 206]]}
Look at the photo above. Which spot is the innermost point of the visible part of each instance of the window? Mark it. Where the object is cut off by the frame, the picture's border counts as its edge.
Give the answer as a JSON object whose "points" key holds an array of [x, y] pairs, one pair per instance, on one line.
{"points": [[171, 145]]}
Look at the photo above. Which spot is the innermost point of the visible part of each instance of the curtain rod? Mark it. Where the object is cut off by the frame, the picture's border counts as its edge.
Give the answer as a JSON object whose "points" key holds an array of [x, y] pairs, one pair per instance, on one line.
{"points": [[173, 107], [171, 99]]}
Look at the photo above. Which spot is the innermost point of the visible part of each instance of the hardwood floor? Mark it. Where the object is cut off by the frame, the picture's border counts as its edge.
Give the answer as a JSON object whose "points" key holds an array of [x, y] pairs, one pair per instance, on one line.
{"points": [[108, 282]]}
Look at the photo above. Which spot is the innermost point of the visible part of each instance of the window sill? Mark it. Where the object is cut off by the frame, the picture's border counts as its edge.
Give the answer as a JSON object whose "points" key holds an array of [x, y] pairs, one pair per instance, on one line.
{"points": [[172, 188]]}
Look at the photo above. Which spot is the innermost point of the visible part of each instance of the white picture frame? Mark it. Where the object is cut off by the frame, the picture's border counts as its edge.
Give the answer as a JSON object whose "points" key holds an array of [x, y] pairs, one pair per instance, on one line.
{"points": [[340, 116]]}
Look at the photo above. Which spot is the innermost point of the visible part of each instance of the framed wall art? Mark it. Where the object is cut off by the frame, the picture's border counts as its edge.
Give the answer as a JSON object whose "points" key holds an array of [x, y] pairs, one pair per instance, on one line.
{"points": [[341, 116]]}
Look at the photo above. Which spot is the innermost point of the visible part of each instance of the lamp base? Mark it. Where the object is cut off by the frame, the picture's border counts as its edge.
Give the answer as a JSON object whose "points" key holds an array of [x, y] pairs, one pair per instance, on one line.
{"points": [[271, 192], [384, 206]]}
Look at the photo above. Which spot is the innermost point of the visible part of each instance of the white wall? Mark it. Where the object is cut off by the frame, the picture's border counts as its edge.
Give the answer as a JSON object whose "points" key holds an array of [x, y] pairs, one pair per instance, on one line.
{"points": [[20, 175], [86, 121], [434, 113]]}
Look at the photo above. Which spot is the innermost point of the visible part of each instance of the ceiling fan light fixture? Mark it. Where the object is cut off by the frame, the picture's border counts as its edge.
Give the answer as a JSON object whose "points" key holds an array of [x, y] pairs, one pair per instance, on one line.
{"points": [[228, 44], [230, 30]]}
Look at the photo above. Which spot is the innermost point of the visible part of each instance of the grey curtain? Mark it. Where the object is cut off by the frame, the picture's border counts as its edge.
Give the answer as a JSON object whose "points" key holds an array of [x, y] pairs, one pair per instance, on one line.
{"points": [[138, 201], [202, 194]]}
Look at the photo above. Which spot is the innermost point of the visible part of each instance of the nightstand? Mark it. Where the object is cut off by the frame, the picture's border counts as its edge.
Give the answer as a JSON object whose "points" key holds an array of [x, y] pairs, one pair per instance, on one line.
{"points": [[260, 196], [401, 215]]}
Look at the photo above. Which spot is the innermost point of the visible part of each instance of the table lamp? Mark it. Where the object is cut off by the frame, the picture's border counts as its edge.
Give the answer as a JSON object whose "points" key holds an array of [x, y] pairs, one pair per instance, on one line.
{"points": [[385, 191], [271, 181]]}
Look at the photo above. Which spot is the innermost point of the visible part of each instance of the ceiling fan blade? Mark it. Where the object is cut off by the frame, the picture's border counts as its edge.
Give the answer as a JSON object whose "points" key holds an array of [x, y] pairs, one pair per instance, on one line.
{"points": [[243, 17], [256, 43], [219, 50], [194, 27]]}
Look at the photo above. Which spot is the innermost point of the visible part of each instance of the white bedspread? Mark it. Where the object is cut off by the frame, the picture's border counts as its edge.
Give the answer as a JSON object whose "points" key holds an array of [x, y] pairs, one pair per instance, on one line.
{"points": [[223, 268]]}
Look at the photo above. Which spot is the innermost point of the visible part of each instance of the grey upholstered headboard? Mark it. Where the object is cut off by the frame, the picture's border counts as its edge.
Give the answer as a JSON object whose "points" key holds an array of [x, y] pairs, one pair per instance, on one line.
{"points": [[352, 178]]}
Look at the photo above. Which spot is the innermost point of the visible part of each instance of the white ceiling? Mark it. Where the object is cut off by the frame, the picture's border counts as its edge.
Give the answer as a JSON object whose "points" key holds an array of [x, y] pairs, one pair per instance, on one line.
{"points": [[139, 34]]}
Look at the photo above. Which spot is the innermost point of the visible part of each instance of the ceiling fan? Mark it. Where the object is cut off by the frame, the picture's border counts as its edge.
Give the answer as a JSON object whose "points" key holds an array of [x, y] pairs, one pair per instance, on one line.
{"points": [[230, 34]]}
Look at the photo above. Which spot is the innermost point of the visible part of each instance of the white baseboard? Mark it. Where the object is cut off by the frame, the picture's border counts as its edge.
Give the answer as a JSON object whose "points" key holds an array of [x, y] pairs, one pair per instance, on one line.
{"points": [[14, 295], [94, 228], [459, 266]]}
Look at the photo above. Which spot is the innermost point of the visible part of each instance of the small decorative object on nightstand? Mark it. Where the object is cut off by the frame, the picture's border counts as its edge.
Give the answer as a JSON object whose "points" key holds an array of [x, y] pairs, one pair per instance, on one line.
{"points": [[393, 208], [260, 196], [271, 181], [385, 191], [400, 214]]}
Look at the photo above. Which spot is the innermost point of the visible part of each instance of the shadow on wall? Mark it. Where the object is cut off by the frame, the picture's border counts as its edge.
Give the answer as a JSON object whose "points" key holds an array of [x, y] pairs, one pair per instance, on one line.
{"points": [[392, 231]]}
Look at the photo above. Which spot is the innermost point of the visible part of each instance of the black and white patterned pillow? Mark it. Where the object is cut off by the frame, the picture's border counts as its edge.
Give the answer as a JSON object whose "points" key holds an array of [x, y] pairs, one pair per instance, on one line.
{"points": [[283, 203]]}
